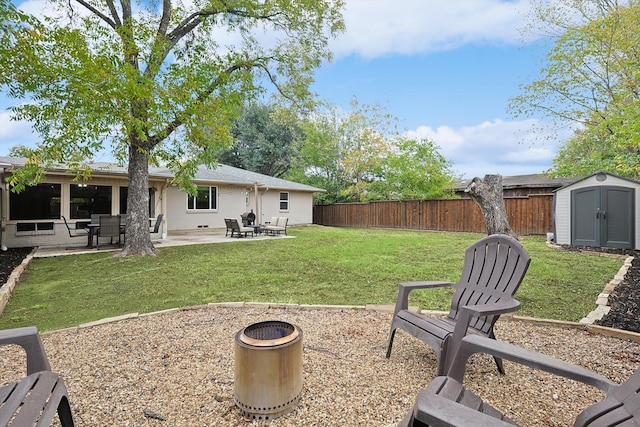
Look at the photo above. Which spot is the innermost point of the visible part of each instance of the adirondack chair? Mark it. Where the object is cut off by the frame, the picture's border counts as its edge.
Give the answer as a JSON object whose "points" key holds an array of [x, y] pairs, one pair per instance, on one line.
{"points": [[441, 403], [35, 399], [492, 272]]}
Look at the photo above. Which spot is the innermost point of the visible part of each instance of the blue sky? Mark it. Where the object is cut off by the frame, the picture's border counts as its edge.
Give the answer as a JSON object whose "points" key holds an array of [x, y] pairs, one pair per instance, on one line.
{"points": [[446, 70]]}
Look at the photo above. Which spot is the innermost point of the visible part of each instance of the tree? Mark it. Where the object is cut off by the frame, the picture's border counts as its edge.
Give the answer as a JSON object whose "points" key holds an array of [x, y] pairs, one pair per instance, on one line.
{"points": [[345, 151], [414, 169], [488, 193], [154, 82], [263, 141], [590, 80]]}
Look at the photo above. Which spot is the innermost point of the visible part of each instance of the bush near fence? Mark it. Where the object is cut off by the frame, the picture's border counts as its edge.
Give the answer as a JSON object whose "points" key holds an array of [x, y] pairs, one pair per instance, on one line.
{"points": [[527, 215]]}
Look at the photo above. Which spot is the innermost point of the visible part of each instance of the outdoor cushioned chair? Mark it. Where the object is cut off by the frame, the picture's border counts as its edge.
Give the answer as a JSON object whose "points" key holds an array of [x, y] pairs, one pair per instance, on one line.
{"points": [[492, 272], [35, 399], [237, 229], [277, 225], [445, 402]]}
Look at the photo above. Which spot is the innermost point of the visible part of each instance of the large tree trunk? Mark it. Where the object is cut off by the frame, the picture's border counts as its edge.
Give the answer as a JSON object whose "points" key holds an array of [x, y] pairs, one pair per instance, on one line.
{"points": [[138, 238], [488, 194]]}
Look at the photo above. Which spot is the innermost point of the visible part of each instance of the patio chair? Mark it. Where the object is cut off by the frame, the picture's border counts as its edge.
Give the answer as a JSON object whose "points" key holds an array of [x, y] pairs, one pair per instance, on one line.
{"points": [[157, 224], [79, 232], [35, 399], [109, 227], [492, 272], [445, 402], [237, 229]]}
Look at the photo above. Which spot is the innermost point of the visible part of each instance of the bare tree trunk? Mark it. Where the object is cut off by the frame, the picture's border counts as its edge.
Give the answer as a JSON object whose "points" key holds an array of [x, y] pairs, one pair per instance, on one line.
{"points": [[138, 239], [488, 194]]}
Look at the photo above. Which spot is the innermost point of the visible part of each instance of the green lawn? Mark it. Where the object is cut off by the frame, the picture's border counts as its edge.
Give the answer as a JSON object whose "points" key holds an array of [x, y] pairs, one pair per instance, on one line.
{"points": [[322, 265]]}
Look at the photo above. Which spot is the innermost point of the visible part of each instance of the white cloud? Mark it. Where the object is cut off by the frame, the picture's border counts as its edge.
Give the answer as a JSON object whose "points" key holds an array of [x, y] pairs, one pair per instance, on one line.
{"points": [[377, 28], [504, 147], [14, 133]]}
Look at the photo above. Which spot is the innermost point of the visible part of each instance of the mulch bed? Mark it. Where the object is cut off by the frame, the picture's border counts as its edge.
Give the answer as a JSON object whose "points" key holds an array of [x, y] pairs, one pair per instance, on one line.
{"points": [[625, 299], [10, 259]]}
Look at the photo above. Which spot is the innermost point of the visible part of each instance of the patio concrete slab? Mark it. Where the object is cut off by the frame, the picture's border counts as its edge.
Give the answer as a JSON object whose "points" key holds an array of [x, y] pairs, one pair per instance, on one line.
{"points": [[194, 237]]}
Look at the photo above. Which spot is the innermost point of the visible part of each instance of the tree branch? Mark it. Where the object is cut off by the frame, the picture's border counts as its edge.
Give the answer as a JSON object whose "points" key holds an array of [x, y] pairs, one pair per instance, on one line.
{"points": [[114, 13], [178, 121], [99, 14]]}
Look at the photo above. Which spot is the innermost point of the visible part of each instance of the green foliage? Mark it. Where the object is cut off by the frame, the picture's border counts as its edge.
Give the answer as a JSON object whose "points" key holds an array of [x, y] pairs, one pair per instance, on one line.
{"points": [[151, 81], [591, 79], [414, 170], [317, 159], [263, 141], [359, 156], [154, 82], [321, 265]]}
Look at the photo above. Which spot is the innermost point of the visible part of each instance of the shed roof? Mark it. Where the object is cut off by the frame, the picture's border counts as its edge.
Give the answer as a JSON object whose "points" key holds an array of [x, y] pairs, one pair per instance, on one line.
{"points": [[222, 174], [632, 181]]}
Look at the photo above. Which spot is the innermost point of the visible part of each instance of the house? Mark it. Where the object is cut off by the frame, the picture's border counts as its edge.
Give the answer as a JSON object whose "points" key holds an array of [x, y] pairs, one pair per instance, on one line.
{"points": [[600, 210], [524, 185], [34, 216]]}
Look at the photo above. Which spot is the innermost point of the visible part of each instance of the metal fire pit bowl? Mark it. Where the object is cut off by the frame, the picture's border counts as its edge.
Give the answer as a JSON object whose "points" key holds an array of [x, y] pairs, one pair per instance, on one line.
{"points": [[268, 369]]}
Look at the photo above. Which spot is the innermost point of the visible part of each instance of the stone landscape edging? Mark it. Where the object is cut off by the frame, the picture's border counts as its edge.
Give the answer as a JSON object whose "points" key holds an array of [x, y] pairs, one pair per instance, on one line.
{"points": [[7, 289]]}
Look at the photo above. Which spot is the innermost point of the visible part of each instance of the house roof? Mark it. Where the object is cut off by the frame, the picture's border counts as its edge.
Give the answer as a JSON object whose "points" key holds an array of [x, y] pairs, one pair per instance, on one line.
{"points": [[222, 174], [527, 181]]}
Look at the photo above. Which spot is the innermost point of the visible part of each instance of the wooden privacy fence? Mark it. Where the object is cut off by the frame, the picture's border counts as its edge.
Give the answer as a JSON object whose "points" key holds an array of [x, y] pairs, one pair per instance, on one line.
{"points": [[527, 215]]}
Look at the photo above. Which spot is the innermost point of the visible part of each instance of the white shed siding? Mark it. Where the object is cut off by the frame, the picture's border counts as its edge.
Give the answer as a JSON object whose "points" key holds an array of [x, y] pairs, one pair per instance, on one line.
{"points": [[562, 212]]}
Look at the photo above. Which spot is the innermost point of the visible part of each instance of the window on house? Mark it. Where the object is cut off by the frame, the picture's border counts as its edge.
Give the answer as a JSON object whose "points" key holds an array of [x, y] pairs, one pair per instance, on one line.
{"points": [[206, 199], [89, 199], [124, 192], [284, 201], [40, 201]]}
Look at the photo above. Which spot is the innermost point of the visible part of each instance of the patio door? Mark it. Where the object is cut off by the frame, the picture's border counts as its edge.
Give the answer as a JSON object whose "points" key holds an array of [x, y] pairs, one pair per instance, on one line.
{"points": [[603, 216]]}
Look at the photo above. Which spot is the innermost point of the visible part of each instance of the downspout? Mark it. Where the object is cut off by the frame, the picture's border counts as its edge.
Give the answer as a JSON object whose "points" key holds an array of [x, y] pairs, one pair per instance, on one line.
{"points": [[257, 203], [3, 216], [163, 203]]}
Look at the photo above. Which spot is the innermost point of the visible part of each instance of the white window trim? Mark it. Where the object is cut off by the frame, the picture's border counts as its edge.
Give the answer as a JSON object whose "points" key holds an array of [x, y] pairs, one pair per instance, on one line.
{"points": [[288, 201], [194, 210]]}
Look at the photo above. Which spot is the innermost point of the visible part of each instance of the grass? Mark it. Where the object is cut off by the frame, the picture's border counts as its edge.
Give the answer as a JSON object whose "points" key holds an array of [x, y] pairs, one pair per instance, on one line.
{"points": [[322, 265]]}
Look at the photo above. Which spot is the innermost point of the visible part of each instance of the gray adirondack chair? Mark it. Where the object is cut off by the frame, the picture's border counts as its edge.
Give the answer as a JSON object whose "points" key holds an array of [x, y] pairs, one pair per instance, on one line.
{"points": [[35, 399], [445, 402], [492, 272]]}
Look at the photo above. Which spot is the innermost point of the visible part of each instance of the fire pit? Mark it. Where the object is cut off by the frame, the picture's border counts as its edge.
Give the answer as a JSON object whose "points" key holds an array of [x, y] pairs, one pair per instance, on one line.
{"points": [[268, 369]]}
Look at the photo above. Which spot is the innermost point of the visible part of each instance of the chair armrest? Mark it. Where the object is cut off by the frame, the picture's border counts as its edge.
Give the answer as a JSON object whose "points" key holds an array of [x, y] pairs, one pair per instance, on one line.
{"points": [[402, 303], [477, 344], [493, 308], [29, 339], [467, 312], [435, 410]]}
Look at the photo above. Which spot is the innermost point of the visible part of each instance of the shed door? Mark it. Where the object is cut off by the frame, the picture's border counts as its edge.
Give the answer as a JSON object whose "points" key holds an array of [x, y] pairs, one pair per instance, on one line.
{"points": [[603, 216]]}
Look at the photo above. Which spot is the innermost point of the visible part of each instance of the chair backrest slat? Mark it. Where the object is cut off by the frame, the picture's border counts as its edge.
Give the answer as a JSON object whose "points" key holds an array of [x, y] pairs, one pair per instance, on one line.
{"points": [[493, 270]]}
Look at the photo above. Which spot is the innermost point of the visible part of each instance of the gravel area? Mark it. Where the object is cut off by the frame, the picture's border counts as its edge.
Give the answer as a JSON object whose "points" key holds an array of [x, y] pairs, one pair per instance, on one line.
{"points": [[179, 366]]}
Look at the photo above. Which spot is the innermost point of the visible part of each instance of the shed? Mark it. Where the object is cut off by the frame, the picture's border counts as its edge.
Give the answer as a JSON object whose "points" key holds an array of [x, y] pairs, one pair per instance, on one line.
{"points": [[600, 210]]}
